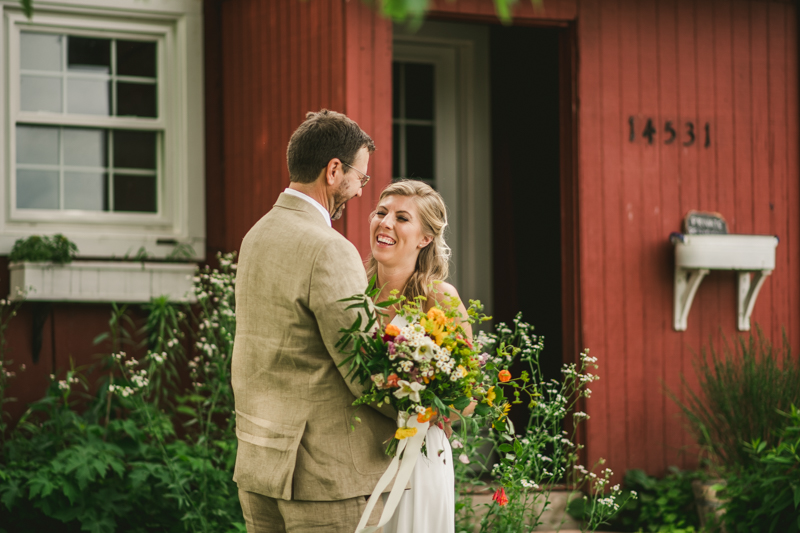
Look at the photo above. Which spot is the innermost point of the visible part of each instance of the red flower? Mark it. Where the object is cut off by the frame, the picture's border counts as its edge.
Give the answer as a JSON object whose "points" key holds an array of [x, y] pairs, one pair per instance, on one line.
{"points": [[500, 497], [504, 375], [392, 380]]}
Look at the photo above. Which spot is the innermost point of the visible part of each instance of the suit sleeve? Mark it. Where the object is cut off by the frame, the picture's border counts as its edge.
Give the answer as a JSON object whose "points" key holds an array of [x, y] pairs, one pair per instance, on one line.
{"points": [[338, 273]]}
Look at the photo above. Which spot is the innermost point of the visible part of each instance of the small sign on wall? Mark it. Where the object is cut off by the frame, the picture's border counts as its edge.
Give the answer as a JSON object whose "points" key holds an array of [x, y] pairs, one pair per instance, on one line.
{"points": [[704, 223]]}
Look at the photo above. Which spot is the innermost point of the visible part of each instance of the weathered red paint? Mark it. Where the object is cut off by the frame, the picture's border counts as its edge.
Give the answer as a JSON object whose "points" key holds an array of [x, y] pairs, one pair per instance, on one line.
{"points": [[733, 64]]}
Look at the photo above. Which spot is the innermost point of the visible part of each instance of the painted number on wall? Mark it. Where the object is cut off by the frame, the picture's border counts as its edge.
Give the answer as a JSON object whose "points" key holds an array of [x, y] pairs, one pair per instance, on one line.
{"points": [[671, 133]]}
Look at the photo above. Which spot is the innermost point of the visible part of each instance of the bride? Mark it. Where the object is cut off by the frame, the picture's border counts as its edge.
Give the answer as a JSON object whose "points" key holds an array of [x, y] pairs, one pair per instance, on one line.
{"points": [[408, 254]]}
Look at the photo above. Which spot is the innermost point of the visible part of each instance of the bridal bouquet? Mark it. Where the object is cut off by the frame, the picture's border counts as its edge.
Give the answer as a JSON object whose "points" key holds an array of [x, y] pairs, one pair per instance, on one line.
{"points": [[423, 363]]}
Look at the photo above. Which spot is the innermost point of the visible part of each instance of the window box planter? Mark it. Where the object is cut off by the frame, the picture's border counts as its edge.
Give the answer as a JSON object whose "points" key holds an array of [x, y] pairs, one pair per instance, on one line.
{"points": [[102, 281]]}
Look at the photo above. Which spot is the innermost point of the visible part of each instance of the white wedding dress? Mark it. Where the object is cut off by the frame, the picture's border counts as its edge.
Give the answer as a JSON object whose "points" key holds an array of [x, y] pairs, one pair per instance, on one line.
{"points": [[429, 506]]}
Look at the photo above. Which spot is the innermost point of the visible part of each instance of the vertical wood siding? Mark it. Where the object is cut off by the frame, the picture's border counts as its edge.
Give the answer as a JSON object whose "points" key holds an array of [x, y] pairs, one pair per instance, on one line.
{"points": [[729, 63], [733, 65], [279, 60]]}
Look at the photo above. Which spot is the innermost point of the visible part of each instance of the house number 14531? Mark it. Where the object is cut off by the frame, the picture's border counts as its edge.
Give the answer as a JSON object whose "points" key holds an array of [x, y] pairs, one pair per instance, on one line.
{"points": [[672, 132]]}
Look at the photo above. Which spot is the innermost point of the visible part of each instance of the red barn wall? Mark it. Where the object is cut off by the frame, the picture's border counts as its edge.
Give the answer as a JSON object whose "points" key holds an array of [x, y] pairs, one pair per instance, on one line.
{"points": [[276, 61], [731, 64]]}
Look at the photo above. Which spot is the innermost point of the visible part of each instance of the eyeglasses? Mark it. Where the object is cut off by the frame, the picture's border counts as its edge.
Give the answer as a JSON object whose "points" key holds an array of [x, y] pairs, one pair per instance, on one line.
{"points": [[364, 178]]}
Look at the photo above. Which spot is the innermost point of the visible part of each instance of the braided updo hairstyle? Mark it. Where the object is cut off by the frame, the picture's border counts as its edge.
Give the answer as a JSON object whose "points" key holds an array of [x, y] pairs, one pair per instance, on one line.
{"points": [[433, 262]]}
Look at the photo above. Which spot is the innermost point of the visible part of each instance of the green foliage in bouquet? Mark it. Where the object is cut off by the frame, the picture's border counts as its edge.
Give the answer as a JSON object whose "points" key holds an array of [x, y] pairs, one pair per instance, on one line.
{"points": [[766, 495], [428, 364], [129, 457], [741, 391], [57, 249]]}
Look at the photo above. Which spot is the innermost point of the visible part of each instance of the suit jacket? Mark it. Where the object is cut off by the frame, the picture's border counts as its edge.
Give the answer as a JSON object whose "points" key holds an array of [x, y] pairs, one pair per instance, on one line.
{"points": [[293, 405]]}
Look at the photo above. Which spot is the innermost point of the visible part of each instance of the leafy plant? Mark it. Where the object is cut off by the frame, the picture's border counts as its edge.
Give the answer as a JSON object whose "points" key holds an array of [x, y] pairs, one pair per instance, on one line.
{"points": [[766, 495], [415, 10], [115, 460], [35, 248], [543, 455], [663, 505], [741, 391], [183, 251], [8, 310]]}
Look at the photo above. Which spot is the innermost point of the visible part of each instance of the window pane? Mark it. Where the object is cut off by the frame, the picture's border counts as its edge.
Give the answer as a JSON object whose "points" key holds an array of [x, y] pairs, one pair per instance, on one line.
{"points": [[396, 151], [86, 190], [396, 72], [37, 189], [40, 94], [37, 145], [85, 147], [88, 97], [135, 193], [134, 149], [419, 152], [87, 54], [136, 99], [419, 91], [40, 51], [136, 58]]}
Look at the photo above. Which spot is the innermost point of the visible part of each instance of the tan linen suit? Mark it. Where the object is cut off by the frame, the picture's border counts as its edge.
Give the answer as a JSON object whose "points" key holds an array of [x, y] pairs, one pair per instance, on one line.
{"points": [[293, 405]]}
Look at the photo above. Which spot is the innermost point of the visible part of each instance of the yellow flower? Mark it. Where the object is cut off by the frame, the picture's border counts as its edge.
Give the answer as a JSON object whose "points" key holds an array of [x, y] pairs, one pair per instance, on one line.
{"points": [[463, 371], [436, 331], [402, 433], [506, 409], [490, 396]]}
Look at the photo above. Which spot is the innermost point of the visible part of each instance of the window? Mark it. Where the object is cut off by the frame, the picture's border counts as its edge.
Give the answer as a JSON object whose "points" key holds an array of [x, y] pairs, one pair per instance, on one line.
{"points": [[413, 121], [103, 109], [84, 168]]}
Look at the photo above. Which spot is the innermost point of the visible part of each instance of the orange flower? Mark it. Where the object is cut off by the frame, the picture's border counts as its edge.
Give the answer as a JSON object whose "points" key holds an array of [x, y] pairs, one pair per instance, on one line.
{"points": [[392, 380], [500, 496], [437, 315], [392, 330], [427, 415], [504, 375]]}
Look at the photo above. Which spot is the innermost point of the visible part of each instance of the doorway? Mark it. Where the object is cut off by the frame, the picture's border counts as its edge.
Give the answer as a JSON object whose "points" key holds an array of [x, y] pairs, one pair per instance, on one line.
{"points": [[526, 184], [494, 143]]}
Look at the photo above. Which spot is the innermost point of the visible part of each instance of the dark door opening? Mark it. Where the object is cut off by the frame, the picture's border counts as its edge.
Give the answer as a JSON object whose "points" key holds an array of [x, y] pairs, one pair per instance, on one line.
{"points": [[526, 181]]}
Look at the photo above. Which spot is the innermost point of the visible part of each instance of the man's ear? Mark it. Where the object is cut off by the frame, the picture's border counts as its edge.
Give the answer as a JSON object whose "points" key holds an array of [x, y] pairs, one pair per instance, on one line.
{"points": [[330, 171]]}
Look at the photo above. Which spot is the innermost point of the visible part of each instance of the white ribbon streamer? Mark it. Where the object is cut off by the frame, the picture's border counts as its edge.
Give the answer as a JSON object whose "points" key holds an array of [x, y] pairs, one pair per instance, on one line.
{"points": [[409, 448]]}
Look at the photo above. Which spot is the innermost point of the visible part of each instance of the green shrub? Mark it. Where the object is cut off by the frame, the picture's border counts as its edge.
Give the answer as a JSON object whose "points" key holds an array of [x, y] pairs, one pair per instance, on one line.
{"points": [[740, 391], [115, 461], [766, 496], [57, 249]]}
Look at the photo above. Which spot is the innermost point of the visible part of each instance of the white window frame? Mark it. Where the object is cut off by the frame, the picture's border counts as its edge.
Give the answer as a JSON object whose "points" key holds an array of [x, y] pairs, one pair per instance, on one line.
{"points": [[176, 25]]}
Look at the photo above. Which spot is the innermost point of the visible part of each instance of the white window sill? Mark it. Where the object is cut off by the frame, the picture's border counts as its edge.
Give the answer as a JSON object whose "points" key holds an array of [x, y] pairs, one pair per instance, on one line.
{"points": [[102, 281]]}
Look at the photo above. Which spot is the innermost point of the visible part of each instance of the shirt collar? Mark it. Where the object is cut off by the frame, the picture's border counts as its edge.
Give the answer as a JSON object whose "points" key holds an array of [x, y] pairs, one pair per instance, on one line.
{"points": [[313, 202]]}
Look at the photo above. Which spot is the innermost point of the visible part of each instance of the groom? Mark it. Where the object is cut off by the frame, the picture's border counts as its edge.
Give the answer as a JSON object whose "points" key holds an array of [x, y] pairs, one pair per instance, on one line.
{"points": [[299, 466]]}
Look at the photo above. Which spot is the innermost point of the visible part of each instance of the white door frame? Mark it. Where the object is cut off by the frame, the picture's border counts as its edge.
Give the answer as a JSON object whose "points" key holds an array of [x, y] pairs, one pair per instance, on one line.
{"points": [[460, 54]]}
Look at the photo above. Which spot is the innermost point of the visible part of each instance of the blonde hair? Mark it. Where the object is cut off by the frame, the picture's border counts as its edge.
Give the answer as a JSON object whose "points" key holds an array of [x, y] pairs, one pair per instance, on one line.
{"points": [[433, 262]]}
